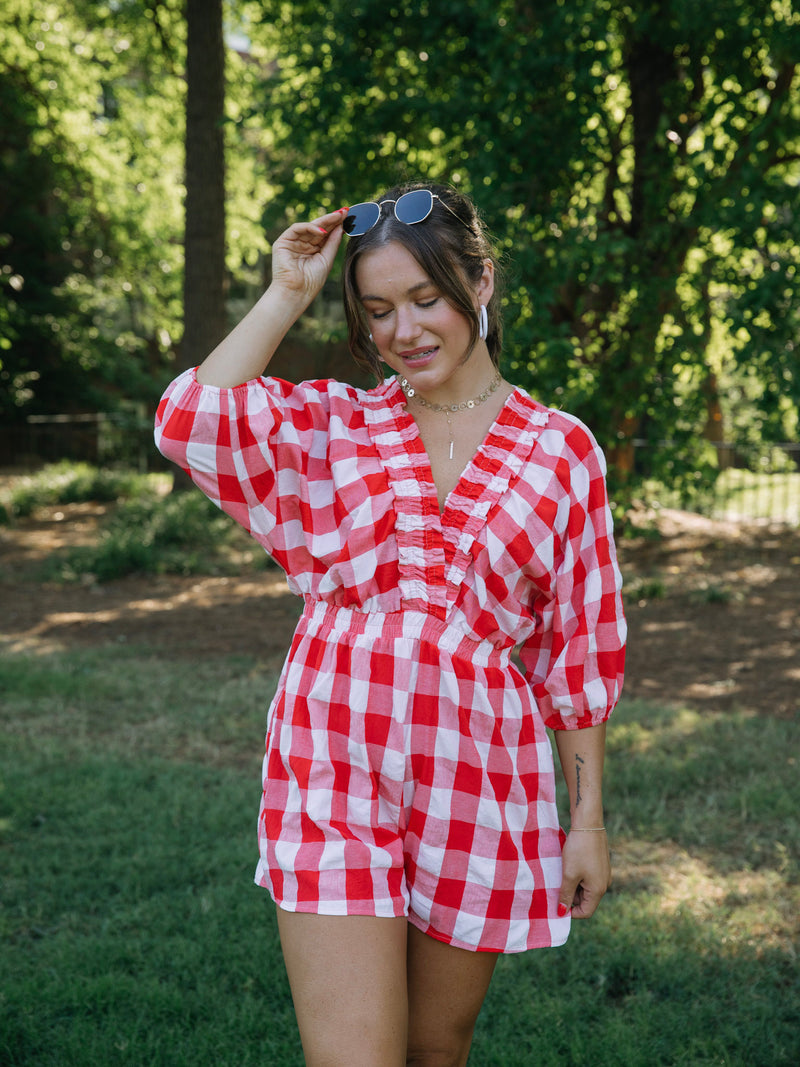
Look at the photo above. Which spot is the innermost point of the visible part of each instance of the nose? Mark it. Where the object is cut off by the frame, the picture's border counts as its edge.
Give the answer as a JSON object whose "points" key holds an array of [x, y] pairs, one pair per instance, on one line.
{"points": [[406, 326]]}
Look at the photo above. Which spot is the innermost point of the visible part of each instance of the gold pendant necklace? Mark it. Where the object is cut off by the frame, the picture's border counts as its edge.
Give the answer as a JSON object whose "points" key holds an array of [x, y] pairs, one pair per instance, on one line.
{"points": [[449, 409]]}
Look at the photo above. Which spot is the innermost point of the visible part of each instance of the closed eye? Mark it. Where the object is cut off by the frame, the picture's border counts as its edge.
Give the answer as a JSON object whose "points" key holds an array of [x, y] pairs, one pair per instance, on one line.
{"points": [[374, 314]]}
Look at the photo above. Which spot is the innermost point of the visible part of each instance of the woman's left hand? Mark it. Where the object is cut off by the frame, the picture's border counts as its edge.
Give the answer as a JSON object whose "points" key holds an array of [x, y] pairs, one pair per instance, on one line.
{"points": [[586, 876]]}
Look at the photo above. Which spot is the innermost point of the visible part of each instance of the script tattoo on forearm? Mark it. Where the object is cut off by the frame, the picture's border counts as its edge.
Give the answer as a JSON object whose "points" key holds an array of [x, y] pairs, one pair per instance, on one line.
{"points": [[578, 764]]}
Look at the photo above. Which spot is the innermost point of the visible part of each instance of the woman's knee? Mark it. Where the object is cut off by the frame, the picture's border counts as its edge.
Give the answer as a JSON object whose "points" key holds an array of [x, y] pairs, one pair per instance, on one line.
{"points": [[446, 1051]]}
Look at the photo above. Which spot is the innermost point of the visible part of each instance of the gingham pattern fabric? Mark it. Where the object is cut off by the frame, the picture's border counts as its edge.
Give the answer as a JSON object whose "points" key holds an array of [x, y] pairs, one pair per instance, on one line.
{"points": [[407, 767]]}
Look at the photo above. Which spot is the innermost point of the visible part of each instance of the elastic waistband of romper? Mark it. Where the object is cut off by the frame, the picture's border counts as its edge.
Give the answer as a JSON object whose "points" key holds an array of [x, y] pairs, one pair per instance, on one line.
{"points": [[328, 620]]}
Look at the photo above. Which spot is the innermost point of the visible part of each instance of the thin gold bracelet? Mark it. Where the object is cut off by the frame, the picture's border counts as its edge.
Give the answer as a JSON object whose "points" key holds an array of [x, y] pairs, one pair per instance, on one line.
{"points": [[588, 830]]}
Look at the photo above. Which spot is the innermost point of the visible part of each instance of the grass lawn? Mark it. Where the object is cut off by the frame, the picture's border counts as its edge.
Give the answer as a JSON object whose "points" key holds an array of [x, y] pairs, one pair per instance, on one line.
{"points": [[131, 933]]}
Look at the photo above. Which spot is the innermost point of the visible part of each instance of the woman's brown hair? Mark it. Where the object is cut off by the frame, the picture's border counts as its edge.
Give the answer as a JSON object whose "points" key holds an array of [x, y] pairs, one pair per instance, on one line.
{"points": [[451, 251]]}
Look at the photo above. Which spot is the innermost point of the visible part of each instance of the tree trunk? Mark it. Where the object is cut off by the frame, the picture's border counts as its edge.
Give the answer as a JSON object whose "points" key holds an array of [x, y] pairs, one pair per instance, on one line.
{"points": [[204, 280], [204, 319]]}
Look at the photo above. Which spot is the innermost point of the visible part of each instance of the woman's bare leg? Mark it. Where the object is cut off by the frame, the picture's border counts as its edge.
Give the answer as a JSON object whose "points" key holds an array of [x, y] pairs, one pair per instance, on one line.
{"points": [[446, 988], [348, 981]]}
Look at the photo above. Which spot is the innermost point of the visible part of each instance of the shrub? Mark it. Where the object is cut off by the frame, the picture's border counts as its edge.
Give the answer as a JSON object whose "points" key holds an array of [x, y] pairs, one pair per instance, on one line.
{"points": [[72, 483], [183, 533]]}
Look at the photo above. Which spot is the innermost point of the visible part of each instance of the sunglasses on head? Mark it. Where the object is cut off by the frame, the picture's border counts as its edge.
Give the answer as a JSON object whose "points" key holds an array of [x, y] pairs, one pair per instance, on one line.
{"points": [[410, 208]]}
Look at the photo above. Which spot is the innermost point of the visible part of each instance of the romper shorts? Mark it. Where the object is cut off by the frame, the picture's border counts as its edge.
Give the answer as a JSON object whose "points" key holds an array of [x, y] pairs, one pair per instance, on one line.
{"points": [[408, 773]]}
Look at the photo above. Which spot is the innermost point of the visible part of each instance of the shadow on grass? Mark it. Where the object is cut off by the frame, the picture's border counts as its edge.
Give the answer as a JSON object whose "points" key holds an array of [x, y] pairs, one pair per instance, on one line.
{"points": [[131, 932]]}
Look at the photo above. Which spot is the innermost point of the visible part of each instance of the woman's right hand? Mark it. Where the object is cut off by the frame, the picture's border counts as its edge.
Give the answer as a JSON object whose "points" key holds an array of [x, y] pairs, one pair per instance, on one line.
{"points": [[302, 258], [303, 255]]}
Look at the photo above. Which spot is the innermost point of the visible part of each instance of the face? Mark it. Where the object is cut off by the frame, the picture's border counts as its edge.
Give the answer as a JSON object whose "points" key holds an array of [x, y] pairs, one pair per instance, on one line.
{"points": [[417, 333]]}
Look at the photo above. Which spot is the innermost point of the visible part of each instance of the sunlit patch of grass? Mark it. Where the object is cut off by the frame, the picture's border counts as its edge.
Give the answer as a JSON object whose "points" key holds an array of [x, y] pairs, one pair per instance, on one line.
{"points": [[737, 494], [758, 495], [721, 781], [748, 909], [68, 482]]}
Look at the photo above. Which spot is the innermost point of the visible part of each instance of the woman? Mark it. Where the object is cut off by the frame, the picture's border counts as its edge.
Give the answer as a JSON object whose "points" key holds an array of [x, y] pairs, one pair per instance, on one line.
{"points": [[408, 827]]}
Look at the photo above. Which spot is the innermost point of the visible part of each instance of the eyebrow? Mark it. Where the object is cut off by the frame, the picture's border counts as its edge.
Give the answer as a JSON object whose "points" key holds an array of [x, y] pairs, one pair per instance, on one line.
{"points": [[414, 288]]}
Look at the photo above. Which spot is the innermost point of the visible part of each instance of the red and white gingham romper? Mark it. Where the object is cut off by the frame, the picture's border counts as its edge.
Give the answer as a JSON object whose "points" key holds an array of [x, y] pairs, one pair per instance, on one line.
{"points": [[408, 770]]}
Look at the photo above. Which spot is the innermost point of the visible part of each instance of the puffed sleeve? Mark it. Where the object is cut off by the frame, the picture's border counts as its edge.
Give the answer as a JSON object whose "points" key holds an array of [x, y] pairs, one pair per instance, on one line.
{"points": [[574, 661], [233, 442]]}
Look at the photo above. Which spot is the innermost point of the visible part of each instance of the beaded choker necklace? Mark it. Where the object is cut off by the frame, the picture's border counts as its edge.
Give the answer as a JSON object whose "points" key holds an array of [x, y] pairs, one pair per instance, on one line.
{"points": [[451, 409]]}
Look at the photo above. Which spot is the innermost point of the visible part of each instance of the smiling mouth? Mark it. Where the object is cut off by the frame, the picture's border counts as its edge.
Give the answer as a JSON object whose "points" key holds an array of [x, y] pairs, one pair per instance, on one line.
{"points": [[419, 355]]}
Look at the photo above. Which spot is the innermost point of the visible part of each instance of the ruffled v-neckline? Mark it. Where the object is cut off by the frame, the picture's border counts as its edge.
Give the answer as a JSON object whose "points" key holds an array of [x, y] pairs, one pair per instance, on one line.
{"points": [[435, 545]]}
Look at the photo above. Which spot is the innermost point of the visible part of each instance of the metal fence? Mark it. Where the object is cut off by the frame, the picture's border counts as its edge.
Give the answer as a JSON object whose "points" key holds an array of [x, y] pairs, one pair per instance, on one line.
{"points": [[751, 483], [96, 437]]}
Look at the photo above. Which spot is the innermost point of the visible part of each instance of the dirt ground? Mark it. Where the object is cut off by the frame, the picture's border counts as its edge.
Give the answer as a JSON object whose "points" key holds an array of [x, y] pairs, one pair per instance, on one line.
{"points": [[712, 608]]}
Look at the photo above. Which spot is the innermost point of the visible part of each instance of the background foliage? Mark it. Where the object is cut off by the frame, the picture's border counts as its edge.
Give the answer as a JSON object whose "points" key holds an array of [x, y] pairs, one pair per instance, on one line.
{"points": [[638, 165], [90, 214]]}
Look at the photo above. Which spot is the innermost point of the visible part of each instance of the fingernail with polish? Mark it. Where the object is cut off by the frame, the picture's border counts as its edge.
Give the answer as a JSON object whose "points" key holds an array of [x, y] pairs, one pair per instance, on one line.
{"points": [[562, 909]]}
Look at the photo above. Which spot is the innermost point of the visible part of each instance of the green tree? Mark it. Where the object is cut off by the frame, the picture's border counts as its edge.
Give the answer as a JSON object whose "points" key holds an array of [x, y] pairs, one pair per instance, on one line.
{"points": [[89, 205], [92, 179], [638, 163]]}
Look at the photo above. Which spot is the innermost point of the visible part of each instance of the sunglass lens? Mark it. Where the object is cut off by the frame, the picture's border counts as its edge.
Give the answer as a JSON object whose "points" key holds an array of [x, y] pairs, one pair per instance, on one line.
{"points": [[361, 218], [414, 206]]}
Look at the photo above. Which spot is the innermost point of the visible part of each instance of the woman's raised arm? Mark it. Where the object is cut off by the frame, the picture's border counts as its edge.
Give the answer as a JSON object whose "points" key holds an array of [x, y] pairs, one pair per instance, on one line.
{"points": [[302, 258]]}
